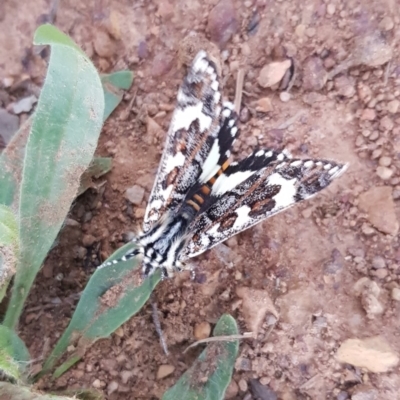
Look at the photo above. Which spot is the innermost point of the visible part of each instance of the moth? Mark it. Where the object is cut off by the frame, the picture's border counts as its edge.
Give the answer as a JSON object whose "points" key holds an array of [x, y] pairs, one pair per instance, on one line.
{"points": [[199, 198]]}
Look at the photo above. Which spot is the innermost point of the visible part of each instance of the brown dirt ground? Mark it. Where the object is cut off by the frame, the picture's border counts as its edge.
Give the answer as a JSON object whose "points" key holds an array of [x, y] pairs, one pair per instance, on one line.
{"points": [[307, 259]]}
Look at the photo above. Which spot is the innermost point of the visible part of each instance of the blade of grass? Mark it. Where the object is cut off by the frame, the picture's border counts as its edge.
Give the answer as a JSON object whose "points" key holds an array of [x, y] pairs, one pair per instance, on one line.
{"points": [[112, 296], [11, 159], [211, 373], [11, 162], [14, 356], [112, 85], [15, 392], [98, 167], [60, 146], [8, 247]]}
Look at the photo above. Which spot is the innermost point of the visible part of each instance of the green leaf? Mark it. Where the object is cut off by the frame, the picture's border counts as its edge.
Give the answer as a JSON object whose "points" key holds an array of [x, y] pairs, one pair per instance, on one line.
{"points": [[8, 247], [14, 356], [98, 167], [8, 226], [112, 296], [60, 146], [15, 392], [112, 85], [209, 376], [11, 162]]}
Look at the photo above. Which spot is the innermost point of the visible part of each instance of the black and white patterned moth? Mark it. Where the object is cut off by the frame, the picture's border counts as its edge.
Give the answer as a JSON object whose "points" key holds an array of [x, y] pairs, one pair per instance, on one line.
{"points": [[199, 199]]}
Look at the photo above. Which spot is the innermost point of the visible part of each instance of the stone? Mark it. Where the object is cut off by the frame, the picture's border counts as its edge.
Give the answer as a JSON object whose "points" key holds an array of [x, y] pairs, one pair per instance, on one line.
{"points": [[24, 105], [314, 74], [264, 105], [386, 123], [369, 292], [222, 22], [103, 44], [273, 73], [393, 106], [96, 383], [378, 262], [162, 64], [126, 375], [232, 390], [135, 194], [164, 371], [202, 330], [255, 305], [368, 114], [331, 9], [9, 124], [243, 385], [396, 294], [371, 50], [373, 353], [262, 391], [88, 240], [385, 161], [285, 97], [384, 173], [379, 206], [112, 387], [386, 24], [345, 86], [364, 392]]}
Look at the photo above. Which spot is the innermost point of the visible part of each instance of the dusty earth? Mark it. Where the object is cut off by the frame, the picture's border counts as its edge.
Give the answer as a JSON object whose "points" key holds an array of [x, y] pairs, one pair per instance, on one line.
{"points": [[330, 266]]}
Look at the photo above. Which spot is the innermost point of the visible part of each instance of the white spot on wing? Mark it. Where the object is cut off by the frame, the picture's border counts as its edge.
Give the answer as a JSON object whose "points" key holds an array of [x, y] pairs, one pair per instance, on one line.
{"points": [[183, 118], [285, 196], [242, 217], [210, 166], [225, 183], [234, 131], [260, 153], [176, 161]]}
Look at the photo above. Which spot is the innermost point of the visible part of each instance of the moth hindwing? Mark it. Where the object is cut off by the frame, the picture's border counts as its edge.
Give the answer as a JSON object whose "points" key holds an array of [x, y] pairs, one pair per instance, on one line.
{"points": [[199, 199]]}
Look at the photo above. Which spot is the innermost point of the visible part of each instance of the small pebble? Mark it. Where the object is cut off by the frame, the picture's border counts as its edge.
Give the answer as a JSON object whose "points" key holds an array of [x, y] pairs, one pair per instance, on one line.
{"points": [[272, 73], [386, 123], [331, 9], [285, 97], [396, 294], [165, 370], [243, 385], [103, 45], [97, 384], [264, 105], [135, 194], [384, 173], [368, 115], [385, 161], [386, 24], [378, 262], [393, 106], [202, 330], [112, 387]]}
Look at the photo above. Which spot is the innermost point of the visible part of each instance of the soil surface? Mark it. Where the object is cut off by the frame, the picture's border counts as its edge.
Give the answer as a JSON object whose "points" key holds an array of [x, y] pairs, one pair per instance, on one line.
{"points": [[318, 285]]}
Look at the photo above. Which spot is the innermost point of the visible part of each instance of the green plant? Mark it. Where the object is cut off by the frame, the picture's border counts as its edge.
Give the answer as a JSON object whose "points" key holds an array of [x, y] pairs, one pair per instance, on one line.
{"points": [[211, 373], [48, 163]]}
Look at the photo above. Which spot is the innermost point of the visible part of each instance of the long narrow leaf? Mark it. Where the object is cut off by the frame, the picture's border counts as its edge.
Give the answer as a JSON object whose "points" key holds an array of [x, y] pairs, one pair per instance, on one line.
{"points": [[8, 247], [15, 392], [14, 356], [112, 85], [209, 376], [112, 296], [60, 146]]}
